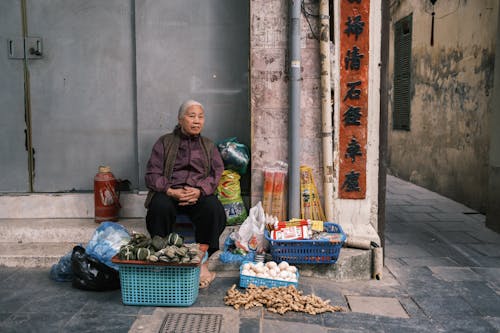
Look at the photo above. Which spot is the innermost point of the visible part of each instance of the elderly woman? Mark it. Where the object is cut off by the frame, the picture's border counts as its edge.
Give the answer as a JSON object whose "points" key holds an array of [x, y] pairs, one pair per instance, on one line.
{"points": [[182, 174]]}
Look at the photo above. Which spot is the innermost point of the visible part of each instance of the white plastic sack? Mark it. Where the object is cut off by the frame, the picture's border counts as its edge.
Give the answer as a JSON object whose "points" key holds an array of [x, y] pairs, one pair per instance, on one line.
{"points": [[250, 236]]}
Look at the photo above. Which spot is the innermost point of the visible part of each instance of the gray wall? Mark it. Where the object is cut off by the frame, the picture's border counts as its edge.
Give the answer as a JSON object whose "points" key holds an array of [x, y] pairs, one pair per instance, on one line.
{"points": [[13, 156], [192, 50], [112, 76]]}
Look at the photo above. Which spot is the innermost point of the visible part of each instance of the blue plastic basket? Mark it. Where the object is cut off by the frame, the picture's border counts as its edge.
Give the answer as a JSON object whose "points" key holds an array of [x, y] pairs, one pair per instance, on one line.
{"points": [[246, 280], [158, 284], [308, 251]]}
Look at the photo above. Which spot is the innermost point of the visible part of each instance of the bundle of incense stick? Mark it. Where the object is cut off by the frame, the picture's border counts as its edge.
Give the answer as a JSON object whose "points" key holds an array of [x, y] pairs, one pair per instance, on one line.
{"points": [[310, 204], [274, 195]]}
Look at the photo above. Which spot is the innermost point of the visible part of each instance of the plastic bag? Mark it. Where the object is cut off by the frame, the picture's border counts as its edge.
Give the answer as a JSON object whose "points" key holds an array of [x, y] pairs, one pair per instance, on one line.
{"points": [[229, 194], [234, 154], [91, 274], [62, 271], [233, 254], [250, 235], [106, 242]]}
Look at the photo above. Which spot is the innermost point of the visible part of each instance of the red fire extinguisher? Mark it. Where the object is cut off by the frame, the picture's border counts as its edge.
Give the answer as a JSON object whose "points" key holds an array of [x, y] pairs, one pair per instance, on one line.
{"points": [[106, 199]]}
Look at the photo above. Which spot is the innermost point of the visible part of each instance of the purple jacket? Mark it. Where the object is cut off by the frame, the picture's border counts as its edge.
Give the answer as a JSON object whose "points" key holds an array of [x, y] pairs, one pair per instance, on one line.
{"points": [[188, 163]]}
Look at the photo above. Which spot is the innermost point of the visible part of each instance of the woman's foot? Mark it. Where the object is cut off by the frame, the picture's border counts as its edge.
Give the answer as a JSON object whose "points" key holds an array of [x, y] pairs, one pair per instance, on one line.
{"points": [[206, 277], [206, 280]]}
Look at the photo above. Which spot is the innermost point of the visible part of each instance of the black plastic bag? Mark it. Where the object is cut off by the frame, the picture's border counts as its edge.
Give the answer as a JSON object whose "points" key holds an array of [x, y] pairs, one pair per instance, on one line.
{"points": [[91, 274]]}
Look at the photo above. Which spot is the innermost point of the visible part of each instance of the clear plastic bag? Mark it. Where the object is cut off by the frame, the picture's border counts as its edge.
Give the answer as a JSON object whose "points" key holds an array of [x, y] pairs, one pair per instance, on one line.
{"points": [[106, 242]]}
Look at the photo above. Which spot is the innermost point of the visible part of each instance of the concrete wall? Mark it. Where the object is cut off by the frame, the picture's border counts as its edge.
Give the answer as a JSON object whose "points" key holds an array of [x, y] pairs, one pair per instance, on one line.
{"points": [[446, 149], [269, 91]]}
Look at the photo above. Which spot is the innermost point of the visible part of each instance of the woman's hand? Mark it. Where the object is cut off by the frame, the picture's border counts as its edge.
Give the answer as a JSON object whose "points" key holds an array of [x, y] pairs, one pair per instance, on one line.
{"points": [[186, 196]]}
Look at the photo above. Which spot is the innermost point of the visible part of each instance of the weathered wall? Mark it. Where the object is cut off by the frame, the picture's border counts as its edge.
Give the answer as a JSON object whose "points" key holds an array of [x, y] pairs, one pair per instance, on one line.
{"points": [[269, 106], [269, 90], [493, 214], [446, 149]]}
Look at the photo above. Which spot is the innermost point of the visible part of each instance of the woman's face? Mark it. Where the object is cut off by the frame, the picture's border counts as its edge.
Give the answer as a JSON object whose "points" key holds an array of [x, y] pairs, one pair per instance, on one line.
{"points": [[193, 120]]}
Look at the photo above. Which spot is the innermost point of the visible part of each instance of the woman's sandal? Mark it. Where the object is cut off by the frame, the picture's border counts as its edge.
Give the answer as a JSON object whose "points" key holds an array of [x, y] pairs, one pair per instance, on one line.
{"points": [[205, 283]]}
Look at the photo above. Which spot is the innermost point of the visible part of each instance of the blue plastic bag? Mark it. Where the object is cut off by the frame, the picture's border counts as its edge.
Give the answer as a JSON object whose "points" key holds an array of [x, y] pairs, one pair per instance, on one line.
{"points": [[106, 242], [235, 155], [227, 256], [62, 272]]}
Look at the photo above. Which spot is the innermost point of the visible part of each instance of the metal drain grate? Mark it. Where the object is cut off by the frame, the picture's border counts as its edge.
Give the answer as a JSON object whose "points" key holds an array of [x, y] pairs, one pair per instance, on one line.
{"points": [[191, 323]]}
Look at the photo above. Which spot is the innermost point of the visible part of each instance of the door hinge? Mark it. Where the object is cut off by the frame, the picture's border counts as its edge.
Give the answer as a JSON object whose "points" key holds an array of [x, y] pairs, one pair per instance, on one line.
{"points": [[24, 48]]}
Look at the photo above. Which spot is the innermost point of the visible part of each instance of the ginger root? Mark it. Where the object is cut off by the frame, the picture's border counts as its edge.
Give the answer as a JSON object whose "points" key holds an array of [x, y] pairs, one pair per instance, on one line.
{"points": [[278, 300]]}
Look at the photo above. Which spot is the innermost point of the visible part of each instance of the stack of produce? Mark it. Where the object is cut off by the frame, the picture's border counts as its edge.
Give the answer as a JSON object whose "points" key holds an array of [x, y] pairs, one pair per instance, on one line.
{"points": [[271, 270], [170, 249]]}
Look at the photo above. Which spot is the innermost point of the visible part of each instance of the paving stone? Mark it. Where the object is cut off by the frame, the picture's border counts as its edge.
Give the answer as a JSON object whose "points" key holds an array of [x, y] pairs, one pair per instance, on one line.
{"points": [[455, 273], [381, 306], [437, 305], [249, 325], [419, 208], [458, 237], [453, 324], [418, 217], [405, 251], [432, 261], [488, 273], [494, 322], [451, 216], [480, 296], [274, 326], [446, 226], [490, 250]]}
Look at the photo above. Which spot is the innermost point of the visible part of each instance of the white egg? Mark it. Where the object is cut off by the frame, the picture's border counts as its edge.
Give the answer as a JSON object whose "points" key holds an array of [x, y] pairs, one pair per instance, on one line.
{"points": [[271, 264], [283, 274], [283, 265], [259, 269], [251, 273], [259, 264], [292, 269], [260, 275], [247, 266], [272, 273]]}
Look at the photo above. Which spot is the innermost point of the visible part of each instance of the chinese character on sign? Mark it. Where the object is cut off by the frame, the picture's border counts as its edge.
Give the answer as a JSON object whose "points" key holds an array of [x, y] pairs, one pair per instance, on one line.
{"points": [[351, 182], [353, 58], [353, 150], [352, 116], [354, 26], [353, 93]]}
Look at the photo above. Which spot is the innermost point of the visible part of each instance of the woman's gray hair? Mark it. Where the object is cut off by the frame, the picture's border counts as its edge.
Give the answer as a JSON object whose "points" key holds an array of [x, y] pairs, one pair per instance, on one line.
{"points": [[186, 105]]}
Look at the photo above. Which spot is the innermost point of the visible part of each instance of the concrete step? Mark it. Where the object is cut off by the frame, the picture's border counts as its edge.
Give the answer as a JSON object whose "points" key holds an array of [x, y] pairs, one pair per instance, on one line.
{"points": [[42, 242]]}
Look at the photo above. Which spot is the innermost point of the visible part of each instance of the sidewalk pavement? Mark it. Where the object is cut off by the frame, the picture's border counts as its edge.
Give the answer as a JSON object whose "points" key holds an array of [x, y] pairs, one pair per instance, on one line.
{"points": [[442, 274]]}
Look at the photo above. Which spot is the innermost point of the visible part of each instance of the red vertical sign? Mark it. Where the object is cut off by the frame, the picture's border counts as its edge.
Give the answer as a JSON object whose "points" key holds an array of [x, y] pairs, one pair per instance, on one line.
{"points": [[353, 99]]}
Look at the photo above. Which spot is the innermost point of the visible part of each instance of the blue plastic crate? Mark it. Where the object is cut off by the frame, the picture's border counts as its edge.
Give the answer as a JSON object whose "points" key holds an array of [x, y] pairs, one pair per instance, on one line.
{"points": [[158, 284], [246, 280], [307, 251]]}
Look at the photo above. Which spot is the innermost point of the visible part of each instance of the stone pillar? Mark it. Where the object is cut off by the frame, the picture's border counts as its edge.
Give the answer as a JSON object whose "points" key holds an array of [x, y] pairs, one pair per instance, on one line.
{"points": [[357, 85], [493, 212]]}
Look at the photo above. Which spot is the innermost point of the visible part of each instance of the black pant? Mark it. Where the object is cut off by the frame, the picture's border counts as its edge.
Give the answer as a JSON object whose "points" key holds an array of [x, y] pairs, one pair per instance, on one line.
{"points": [[207, 215]]}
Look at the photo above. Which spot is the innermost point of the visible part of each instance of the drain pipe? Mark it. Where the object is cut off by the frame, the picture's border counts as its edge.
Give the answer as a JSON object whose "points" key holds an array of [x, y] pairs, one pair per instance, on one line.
{"points": [[294, 113], [326, 108]]}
